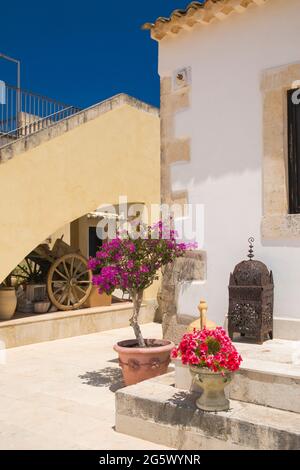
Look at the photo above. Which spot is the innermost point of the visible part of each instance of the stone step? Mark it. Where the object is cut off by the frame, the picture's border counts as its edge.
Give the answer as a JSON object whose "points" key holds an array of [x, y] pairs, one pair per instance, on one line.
{"points": [[268, 376], [156, 411], [267, 389]]}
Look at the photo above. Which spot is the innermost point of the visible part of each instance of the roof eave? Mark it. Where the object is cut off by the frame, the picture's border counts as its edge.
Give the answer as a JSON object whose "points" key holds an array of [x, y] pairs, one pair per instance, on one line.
{"points": [[197, 13]]}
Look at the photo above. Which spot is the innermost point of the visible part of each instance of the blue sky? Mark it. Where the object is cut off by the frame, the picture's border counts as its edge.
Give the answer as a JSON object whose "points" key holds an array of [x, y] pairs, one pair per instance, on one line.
{"points": [[83, 52]]}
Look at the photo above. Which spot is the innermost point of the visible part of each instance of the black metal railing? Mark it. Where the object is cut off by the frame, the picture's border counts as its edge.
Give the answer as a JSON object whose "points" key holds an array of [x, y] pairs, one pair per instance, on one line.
{"points": [[23, 112]]}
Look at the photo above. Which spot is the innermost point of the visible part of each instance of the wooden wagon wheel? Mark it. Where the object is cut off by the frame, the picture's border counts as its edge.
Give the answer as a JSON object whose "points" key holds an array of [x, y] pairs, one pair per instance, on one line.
{"points": [[69, 282], [30, 271]]}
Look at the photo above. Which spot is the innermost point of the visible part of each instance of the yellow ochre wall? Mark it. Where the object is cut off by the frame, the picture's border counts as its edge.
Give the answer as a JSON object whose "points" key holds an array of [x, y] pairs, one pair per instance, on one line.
{"points": [[64, 178]]}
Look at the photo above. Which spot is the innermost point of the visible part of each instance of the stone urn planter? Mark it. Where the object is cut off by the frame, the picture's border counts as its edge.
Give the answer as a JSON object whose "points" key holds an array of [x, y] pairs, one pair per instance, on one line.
{"points": [[212, 360], [140, 364], [212, 385], [8, 302]]}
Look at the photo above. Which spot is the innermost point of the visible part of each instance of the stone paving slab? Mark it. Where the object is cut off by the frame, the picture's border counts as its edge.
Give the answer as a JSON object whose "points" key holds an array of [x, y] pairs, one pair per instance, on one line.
{"points": [[61, 394]]}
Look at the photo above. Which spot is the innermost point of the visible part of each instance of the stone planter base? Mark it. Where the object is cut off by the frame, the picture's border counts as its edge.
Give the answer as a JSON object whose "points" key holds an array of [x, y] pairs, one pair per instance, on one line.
{"points": [[212, 384]]}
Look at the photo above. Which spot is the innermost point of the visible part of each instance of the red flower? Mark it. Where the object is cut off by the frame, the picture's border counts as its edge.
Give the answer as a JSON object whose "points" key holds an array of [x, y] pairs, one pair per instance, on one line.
{"points": [[208, 348]]}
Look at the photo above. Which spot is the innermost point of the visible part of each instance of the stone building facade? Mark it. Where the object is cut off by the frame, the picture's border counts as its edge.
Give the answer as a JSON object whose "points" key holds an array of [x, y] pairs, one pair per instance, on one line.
{"points": [[226, 67]]}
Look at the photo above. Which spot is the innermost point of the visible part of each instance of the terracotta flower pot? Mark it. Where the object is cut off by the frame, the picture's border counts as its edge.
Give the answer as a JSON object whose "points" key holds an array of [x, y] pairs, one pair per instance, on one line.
{"points": [[8, 302], [212, 385], [140, 364]]}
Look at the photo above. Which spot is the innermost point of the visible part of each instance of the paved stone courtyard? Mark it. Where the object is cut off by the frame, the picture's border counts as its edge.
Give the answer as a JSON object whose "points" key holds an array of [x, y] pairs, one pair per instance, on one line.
{"points": [[60, 394]]}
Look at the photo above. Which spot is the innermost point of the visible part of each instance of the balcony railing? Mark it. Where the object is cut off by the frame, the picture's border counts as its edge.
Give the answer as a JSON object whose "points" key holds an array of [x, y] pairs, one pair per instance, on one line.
{"points": [[24, 113]]}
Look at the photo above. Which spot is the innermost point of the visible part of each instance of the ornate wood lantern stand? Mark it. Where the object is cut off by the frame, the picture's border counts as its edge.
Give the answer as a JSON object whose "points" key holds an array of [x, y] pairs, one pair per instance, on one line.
{"points": [[251, 294]]}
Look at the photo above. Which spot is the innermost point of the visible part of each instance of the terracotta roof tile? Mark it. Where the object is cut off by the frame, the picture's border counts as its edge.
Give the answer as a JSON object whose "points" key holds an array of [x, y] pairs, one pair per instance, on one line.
{"points": [[197, 13]]}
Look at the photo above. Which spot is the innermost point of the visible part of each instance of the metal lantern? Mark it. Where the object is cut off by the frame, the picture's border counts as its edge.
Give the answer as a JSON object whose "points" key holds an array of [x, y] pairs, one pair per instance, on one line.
{"points": [[251, 299]]}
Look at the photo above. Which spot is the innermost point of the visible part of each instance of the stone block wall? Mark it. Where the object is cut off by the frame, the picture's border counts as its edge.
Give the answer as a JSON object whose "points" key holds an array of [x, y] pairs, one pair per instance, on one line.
{"points": [[188, 268]]}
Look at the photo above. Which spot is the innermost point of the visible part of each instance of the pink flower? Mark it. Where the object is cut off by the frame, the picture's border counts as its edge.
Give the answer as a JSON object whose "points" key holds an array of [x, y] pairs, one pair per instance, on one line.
{"points": [[92, 263], [132, 263], [144, 269], [101, 255], [208, 348], [174, 353]]}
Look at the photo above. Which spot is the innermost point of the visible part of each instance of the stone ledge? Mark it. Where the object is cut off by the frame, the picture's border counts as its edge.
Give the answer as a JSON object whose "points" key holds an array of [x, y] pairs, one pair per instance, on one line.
{"points": [[281, 227], [31, 141], [287, 328], [23, 318], [58, 325], [163, 414]]}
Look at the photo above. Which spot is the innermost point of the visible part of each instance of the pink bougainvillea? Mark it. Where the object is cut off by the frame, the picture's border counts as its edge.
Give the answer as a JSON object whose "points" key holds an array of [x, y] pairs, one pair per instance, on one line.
{"points": [[212, 349], [132, 263]]}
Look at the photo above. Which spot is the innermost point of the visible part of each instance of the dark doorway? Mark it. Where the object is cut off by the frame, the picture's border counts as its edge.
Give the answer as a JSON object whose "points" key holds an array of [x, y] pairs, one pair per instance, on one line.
{"points": [[94, 242]]}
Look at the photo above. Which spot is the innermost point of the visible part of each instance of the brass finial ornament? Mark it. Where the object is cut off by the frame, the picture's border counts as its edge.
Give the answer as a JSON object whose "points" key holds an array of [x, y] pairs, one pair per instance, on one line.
{"points": [[203, 321], [251, 240], [202, 307]]}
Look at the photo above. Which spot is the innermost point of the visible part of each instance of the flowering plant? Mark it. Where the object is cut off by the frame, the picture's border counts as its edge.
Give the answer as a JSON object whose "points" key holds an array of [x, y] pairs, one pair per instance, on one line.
{"points": [[131, 262], [212, 349]]}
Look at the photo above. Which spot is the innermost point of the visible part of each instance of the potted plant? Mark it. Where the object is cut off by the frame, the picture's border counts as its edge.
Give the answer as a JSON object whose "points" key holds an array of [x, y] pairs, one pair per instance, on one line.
{"points": [[212, 359], [8, 299], [130, 263]]}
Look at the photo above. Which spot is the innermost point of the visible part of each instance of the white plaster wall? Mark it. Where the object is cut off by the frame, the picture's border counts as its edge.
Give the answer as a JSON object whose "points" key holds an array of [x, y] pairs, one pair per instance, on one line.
{"points": [[225, 126]]}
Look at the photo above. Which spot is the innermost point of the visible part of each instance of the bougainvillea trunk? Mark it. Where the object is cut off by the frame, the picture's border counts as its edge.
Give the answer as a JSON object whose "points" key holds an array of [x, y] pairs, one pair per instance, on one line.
{"points": [[131, 261], [137, 297]]}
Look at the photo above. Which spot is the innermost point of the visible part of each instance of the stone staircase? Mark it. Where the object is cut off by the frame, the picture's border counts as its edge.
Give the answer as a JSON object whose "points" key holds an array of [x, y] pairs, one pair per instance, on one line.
{"points": [[264, 413], [268, 376], [50, 176]]}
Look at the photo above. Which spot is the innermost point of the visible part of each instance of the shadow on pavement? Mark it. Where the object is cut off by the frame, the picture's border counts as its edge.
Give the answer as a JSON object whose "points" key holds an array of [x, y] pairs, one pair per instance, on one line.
{"points": [[110, 377]]}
